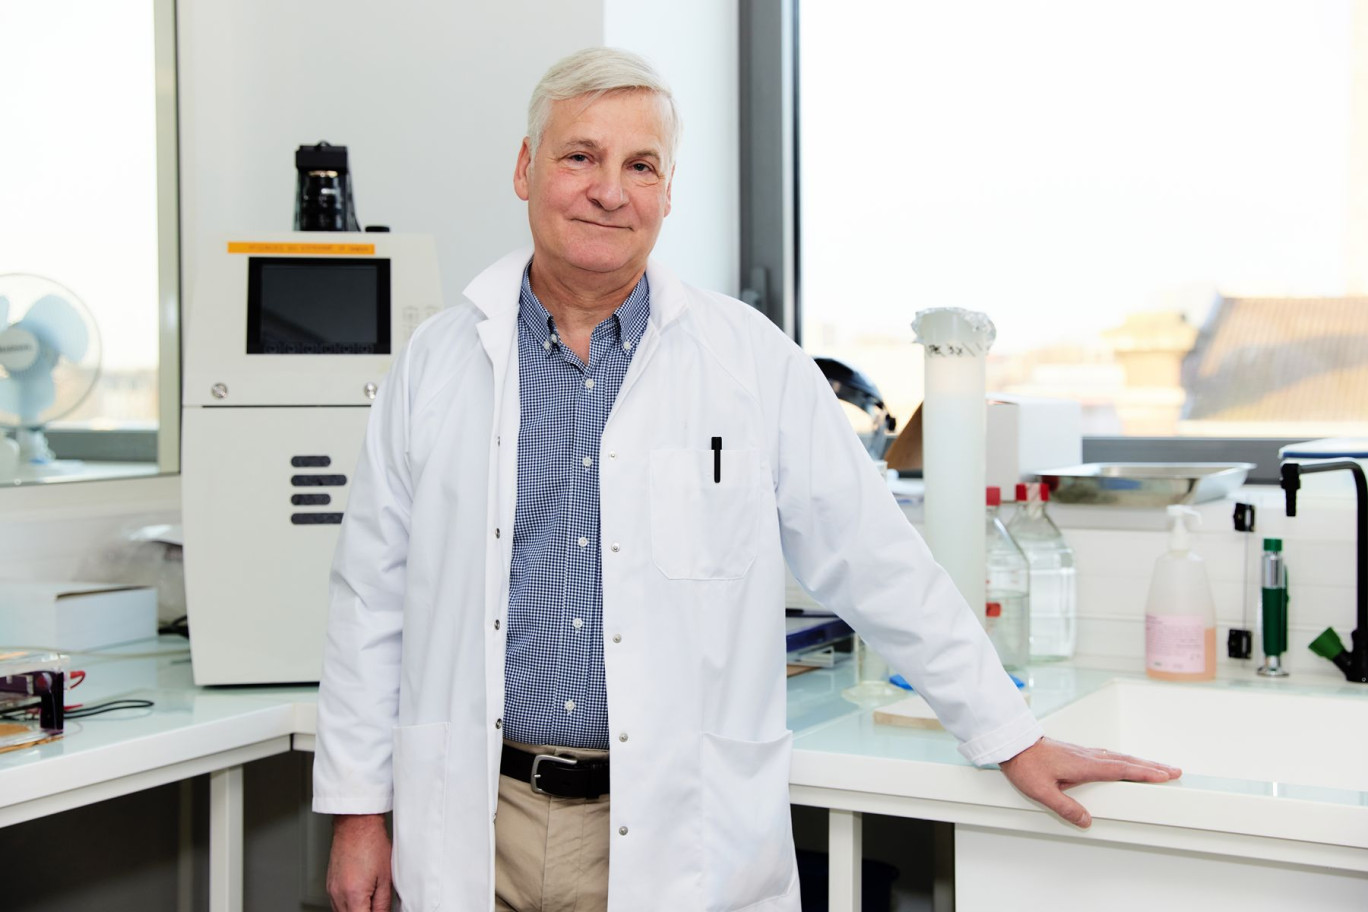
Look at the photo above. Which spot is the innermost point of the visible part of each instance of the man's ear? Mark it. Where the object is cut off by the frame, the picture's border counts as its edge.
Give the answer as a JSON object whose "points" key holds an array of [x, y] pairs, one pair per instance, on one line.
{"points": [[669, 189], [521, 175]]}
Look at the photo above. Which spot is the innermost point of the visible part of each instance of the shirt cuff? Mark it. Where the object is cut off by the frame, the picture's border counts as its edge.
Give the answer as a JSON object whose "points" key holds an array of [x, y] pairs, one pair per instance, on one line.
{"points": [[1005, 741], [374, 803]]}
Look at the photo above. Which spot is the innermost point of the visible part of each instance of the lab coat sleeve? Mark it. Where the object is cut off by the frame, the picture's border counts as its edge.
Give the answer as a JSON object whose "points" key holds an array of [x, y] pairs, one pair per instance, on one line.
{"points": [[358, 695], [850, 546]]}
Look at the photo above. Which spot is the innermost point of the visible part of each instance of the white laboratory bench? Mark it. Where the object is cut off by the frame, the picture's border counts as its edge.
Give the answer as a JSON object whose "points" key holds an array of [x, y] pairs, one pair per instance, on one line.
{"points": [[843, 761]]}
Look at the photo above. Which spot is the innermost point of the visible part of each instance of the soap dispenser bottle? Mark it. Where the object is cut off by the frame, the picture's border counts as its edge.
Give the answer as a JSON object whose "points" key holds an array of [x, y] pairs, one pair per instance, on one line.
{"points": [[1180, 618]]}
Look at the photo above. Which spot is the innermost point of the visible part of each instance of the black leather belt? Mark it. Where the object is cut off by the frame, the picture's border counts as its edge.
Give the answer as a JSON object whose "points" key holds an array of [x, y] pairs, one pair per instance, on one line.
{"points": [[563, 777]]}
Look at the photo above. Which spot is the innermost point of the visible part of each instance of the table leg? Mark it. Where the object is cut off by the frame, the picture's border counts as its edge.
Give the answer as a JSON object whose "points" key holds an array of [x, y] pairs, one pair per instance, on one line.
{"points": [[225, 840], [845, 851]]}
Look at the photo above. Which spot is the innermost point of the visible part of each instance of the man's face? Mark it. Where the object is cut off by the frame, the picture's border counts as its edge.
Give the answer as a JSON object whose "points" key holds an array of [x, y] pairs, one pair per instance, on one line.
{"points": [[597, 191]]}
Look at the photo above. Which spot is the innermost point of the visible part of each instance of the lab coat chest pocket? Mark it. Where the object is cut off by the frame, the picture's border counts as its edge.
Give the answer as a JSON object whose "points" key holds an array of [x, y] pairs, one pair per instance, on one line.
{"points": [[703, 514], [420, 762], [748, 843]]}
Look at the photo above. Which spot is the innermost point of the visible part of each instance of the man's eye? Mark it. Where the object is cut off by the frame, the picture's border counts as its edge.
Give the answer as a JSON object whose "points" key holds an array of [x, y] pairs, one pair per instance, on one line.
{"points": [[642, 168], [578, 157]]}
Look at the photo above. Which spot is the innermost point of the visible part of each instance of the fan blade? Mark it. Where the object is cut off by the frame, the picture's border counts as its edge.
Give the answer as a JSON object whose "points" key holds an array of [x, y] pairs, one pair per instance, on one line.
{"points": [[59, 324], [27, 398]]}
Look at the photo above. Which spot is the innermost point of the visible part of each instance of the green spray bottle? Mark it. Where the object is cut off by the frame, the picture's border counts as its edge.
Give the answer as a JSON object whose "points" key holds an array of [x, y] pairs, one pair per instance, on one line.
{"points": [[1273, 571]]}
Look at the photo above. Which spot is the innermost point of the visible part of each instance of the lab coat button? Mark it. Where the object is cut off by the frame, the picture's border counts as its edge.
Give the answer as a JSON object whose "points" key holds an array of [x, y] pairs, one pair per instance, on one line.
{"points": [[616, 547], [622, 831], [617, 638], [496, 623], [498, 723], [497, 533], [622, 737], [612, 454]]}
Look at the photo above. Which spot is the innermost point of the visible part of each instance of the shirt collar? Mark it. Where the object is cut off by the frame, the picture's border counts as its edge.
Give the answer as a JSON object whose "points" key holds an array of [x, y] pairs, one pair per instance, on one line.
{"points": [[629, 319]]}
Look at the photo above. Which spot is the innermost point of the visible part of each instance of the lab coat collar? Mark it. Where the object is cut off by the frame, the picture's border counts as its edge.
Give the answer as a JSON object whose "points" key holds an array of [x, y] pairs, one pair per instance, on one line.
{"points": [[495, 291]]}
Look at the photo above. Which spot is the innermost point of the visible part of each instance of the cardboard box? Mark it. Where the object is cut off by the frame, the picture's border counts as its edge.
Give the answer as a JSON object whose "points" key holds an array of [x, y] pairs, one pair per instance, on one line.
{"points": [[75, 617]]}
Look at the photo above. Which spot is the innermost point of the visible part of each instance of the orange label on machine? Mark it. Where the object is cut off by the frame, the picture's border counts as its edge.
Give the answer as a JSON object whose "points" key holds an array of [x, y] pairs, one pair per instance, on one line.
{"points": [[293, 249]]}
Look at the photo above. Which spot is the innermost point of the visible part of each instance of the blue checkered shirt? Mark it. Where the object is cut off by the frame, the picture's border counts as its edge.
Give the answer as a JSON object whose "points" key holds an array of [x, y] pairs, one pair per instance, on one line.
{"points": [[553, 679]]}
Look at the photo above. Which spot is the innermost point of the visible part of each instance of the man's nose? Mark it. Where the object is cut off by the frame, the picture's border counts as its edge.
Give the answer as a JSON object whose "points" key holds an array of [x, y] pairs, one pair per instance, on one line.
{"points": [[609, 192]]}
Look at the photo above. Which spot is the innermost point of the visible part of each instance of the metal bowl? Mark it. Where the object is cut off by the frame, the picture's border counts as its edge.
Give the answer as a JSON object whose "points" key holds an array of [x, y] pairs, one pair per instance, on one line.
{"points": [[1144, 484]]}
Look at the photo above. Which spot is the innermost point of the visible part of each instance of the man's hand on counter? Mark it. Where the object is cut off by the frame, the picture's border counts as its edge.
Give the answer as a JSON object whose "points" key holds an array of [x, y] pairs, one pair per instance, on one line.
{"points": [[1045, 769]]}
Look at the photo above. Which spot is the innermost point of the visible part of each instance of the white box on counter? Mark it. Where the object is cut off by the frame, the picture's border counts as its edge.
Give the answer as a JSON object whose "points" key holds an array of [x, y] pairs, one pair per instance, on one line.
{"points": [[73, 617], [1028, 433]]}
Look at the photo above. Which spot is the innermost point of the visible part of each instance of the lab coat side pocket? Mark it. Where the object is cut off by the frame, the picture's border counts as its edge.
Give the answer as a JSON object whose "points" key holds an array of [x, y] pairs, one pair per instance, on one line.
{"points": [[420, 764], [703, 515], [747, 830]]}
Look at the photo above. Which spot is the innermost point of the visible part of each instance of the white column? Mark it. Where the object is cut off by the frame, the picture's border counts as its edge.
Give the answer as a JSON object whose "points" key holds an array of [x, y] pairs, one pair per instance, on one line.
{"points": [[845, 852], [225, 840]]}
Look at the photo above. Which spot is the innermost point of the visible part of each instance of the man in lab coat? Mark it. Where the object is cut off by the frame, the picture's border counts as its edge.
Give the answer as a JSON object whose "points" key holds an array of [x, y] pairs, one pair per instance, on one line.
{"points": [[567, 533]]}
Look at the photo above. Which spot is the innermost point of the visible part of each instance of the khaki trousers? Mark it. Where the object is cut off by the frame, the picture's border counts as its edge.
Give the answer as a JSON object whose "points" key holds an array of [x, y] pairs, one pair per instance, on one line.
{"points": [[550, 854]]}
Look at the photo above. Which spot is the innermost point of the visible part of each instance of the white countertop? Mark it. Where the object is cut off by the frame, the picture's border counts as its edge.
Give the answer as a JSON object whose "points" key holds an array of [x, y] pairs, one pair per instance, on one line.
{"points": [[842, 758]]}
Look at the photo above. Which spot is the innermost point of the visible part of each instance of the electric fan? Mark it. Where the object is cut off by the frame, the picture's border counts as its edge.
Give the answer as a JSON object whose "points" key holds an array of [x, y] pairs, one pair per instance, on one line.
{"points": [[49, 363]]}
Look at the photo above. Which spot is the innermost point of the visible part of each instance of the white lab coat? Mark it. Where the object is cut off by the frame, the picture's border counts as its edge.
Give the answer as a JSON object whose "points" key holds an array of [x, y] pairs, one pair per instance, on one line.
{"points": [[693, 596]]}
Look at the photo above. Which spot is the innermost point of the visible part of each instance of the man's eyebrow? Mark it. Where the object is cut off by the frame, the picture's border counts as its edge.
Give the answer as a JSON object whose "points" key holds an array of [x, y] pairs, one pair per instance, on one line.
{"points": [[593, 146]]}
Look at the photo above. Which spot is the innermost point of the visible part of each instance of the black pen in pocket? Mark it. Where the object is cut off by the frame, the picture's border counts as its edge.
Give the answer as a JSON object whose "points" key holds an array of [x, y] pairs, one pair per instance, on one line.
{"points": [[717, 460]]}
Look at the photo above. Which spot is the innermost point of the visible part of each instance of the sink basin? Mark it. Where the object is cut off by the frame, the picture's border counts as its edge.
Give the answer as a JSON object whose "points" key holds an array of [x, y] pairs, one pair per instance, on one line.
{"points": [[1293, 738]]}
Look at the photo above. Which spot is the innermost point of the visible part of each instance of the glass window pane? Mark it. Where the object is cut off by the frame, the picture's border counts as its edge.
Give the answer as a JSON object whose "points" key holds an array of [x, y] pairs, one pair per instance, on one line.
{"points": [[1163, 206]]}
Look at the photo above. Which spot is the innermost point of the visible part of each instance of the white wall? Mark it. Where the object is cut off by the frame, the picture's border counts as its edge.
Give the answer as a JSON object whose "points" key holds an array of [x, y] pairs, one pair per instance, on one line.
{"points": [[430, 98], [694, 45]]}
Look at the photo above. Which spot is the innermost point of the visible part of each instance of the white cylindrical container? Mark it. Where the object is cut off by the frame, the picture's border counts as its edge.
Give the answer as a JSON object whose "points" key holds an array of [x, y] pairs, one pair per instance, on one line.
{"points": [[954, 425]]}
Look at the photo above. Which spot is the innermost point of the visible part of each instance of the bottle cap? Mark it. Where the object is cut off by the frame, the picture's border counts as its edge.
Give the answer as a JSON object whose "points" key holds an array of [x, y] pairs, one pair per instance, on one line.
{"points": [[1272, 544], [994, 496], [1023, 492], [993, 609], [1044, 492]]}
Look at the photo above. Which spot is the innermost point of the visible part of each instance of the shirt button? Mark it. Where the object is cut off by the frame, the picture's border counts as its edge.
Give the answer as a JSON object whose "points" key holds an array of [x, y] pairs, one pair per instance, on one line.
{"points": [[578, 622], [622, 831], [617, 638], [615, 547], [555, 338], [622, 737], [627, 346], [569, 705], [583, 542], [546, 345], [588, 461], [589, 384]]}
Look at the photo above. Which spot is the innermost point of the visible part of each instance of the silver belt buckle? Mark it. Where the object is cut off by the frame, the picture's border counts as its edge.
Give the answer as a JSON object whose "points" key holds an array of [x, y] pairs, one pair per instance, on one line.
{"points": [[547, 758]]}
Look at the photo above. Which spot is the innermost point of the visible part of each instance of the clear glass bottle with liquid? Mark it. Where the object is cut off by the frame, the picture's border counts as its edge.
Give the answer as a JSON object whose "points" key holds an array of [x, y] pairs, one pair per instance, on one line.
{"points": [[1054, 587], [1006, 615]]}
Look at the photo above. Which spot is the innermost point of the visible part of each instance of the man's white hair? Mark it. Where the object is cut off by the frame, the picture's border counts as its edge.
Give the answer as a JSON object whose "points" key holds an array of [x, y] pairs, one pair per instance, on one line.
{"points": [[595, 72]]}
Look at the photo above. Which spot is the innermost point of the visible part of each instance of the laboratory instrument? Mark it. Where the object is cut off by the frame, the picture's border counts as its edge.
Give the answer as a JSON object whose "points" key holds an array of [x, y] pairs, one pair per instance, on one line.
{"points": [[1180, 616], [954, 427], [49, 363], [1007, 584], [1273, 573], [1240, 642], [75, 616], [1054, 585], [287, 338], [862, 403], [1352, 662], [32, 697], [323, 197], [1145, 484]]}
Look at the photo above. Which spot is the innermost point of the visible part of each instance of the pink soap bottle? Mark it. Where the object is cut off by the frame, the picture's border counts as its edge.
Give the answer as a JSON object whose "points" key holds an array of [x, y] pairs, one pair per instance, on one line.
{"points": [[1180, 619]]}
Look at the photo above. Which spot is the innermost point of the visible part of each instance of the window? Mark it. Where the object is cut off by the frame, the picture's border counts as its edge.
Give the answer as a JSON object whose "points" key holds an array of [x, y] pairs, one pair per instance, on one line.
{"points": [[87, 201], [1162, 206]]}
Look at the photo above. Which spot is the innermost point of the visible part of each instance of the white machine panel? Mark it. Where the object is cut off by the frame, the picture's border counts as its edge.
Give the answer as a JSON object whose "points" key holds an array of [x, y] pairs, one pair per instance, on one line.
{"points": [[259, 539], [378, 288], [287, 339]]}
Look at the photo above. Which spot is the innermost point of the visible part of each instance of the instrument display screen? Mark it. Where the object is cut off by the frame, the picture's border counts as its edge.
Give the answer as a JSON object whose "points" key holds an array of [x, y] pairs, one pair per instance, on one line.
{"points": [[318, 306]]}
